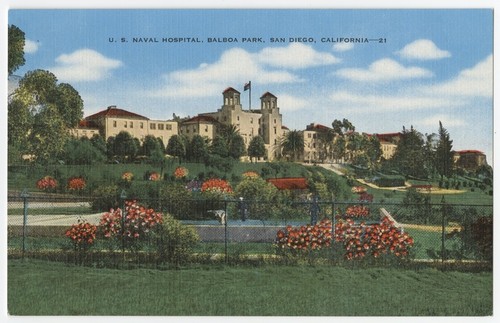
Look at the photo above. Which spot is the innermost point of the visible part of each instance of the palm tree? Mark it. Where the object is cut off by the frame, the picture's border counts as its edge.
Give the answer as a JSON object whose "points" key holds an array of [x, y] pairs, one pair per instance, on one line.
{"points": [[293, 144]]}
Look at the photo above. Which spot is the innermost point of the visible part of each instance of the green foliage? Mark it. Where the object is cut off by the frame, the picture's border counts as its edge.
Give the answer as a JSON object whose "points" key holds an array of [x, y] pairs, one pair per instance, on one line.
{"points": [[197, 149], [175, 241], [389, 181], [178, 201], [16, 48], [40, 112], [444, 153], [237, 147], [106, 197], [410, 157], [293, 144], [258, 196], [176, 147], [219, 147], [257, 148], [81, 152]]}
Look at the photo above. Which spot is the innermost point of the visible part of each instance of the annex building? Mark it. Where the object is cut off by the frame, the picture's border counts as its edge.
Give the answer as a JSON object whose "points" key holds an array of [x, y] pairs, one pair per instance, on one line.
{"points": [[111, 121]]}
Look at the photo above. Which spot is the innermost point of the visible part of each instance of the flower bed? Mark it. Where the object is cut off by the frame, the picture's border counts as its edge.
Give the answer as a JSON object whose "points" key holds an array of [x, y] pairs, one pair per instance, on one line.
{"points": [[47, 183]]}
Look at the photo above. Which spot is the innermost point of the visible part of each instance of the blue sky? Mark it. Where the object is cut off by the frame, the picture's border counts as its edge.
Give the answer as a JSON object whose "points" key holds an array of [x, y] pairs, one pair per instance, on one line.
{"points": [[433, 65]]}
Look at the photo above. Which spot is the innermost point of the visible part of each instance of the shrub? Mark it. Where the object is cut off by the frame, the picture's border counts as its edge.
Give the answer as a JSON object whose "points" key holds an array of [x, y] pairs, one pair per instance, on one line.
{"points": [[106, 198], [175, 241], [390, 181]]}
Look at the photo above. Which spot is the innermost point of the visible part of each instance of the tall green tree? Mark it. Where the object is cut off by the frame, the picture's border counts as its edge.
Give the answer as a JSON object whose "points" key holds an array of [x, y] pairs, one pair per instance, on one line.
{"points": [[176, 147], [409, 157], [237, 147], [40, 113], [197, 149], [220, 146], [46, 139], [16, 49], [69, 104], [125, 147], [257, 147], [444, 154], [149, 145], [293, 144]]}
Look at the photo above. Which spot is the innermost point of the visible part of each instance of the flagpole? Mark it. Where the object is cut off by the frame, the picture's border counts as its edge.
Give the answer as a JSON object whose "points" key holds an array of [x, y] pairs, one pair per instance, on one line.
{"points": [[250, 96]]}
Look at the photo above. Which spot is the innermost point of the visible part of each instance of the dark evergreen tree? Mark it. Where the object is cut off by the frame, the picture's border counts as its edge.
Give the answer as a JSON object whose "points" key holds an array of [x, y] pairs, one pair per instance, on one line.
{"points": [[444, 154], [197, 149], [237, 147]]}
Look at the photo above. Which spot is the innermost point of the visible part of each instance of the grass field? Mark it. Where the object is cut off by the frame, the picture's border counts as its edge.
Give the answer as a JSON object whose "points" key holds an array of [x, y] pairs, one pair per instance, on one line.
{"points": [[44, 288]]}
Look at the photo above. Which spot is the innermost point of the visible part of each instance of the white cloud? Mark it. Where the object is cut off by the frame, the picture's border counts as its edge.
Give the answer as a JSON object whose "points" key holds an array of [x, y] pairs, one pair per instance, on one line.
{"points": [[287, 102], [362, 103], [473, 82], [235, 66], [446, 120], [343, 47], [295, 56], [383, 70], [84, 65], [30, 46], [423, 49]]}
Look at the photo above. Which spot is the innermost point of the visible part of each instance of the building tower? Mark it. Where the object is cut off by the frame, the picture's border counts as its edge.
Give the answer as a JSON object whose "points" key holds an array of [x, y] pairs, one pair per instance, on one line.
{"points": [[271, 123]]}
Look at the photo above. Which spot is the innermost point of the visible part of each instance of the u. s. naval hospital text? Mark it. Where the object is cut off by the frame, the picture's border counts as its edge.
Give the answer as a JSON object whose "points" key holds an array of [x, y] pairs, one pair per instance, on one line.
{"points": [[216, 40]]}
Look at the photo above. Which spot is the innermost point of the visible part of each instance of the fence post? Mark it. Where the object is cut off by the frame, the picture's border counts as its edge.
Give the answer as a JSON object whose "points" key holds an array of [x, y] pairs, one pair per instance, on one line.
{"points": [[225, 230], [443, 234], [123, 196], [333, 230], [25, 195]]}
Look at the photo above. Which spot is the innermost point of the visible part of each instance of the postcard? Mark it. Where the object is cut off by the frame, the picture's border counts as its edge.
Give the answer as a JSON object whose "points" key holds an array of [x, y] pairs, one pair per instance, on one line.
{"points": [[207, 160]]}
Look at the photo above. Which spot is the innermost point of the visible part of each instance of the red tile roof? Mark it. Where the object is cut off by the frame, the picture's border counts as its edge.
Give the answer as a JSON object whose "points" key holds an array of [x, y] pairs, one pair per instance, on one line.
{"points": [[463, 152], [317, 126], [289, 183], [201, 118], [230, 89], [267, 94], [113, 111]]}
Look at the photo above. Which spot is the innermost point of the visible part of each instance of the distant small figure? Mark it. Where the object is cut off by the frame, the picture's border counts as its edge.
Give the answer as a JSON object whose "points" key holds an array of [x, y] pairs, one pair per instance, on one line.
{"points": [[243, 209], [221, 216], [314, 210]]}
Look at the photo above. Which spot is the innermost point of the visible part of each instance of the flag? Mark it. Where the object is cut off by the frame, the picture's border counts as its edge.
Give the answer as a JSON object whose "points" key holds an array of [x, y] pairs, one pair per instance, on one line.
{"points": [[247, 86]]}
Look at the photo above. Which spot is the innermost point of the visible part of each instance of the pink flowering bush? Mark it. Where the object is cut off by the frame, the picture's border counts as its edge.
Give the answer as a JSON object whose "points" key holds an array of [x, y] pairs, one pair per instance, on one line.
{"points": [[133, 225]]}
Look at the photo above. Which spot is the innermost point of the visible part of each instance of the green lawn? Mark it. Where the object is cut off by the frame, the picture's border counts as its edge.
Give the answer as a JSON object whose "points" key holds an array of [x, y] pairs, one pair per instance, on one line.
{"points": [[44, 288]]}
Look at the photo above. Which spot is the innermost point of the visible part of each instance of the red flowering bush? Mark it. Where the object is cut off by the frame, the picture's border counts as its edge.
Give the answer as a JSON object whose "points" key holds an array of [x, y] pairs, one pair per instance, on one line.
{"points": [[306, 237], [356, 241], [82, 234], [76, 183], [137, 223], [374, 240], [154, 176], [47, 183], [216, 186], [180, 172], [357, 211], [365, 197]]}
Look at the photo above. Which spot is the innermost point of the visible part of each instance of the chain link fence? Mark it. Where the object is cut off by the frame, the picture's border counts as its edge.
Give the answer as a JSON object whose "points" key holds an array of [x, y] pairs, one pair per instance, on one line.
{"points": [[237, 229]]}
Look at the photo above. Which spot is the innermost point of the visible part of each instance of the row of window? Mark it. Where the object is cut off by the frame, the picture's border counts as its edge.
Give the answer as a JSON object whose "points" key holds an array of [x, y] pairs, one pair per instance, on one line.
{"points": [[152, 125]]}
